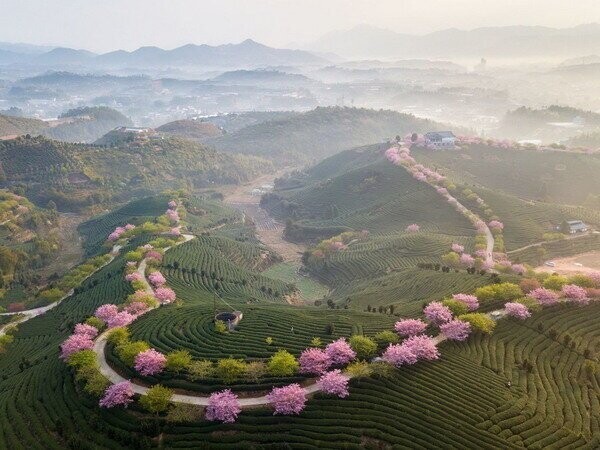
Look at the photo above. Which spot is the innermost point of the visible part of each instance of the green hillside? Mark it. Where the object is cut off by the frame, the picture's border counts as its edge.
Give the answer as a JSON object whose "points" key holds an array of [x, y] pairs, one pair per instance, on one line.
{"points": [[190, 129], [75, 176], [11, 126], [320, 133], [551, 176]]}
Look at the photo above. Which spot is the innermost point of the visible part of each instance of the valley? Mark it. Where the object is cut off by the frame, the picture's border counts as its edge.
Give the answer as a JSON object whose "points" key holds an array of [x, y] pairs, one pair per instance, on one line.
{"points": [[247, 227]]}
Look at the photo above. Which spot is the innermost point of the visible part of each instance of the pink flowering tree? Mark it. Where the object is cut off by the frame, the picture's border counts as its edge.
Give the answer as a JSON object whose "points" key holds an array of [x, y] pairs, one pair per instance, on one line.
{"points": [[86, 330], [173, 215], [470, 301], [119, 394], [287, 400], [437, 313], [467, 260], [314, 361], [456, 330], [544, 297], [519, 269], [496, 225], [423, 347], [154, 255], [575, 293], [121, 319], [136, 308], [156, 279], [334, 383], [133, 276], [595, 277], [223, 406], [399, 355], [517, 310], [340, 352], [458, 248], [150, 362], [413, 228], [175, 231], [129, 227], [107, 311], [172, 204], [165, 295], [410, 327], [74, 344]]}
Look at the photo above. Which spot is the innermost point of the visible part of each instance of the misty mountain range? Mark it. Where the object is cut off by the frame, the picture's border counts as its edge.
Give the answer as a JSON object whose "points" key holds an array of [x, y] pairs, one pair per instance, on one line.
{"points": [[245, 54], [504, 42]]}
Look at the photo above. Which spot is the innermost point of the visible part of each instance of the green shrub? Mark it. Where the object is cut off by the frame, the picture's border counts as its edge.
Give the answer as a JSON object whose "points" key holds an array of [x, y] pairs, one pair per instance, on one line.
{"points": [[504, 292], [359, 369], [255, 370], [127, 351], [282, 364], [230, 369], [118, 336], [455, 306], [83, 358], [95, 322], [386, 337], [178, 360], [220, 326], [200, 370], [364, 346], [555, 282], [479, 322], [156, 399]]}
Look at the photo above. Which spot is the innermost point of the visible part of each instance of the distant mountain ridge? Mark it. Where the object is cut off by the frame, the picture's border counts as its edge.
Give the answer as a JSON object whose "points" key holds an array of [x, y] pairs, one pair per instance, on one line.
{"points": [[248, 53], [510, 41]]}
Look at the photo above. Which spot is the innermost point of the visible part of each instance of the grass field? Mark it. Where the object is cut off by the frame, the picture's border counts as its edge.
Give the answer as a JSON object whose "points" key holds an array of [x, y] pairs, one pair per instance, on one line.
{"points": [[309, 288]]}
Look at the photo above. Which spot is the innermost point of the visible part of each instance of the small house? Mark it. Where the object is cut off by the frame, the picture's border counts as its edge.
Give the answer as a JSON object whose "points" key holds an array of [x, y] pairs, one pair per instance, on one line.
{"points": [[440, 139], [575, 226]]}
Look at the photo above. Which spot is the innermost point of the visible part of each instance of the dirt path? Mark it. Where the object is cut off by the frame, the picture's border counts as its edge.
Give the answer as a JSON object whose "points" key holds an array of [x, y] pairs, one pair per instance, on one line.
{"points": [[584, 263], [567, 238], [268, 230]]}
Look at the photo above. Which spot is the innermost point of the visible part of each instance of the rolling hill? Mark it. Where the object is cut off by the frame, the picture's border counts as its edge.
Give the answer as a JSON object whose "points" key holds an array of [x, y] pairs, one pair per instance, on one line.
{"points": [[76, 176], [190, 129], [319, 133]]}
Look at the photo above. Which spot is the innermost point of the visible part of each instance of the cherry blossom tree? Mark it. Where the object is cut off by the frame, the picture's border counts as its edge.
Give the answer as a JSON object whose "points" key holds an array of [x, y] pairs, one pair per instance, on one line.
{"points": [[129, 226], [287, 400], [334, 383], [517, 310], [595, 277], [399, 355], [156, 279], [121, 319], [136, 308], [437, 313], [340, 352], [410, 327], [133, 276], [467, 260], [75, 343], [458, 248], [544, 297], [519, 269], [105, 312], [496, 225], [165, 295], [119, 394], [175, 231], [223, 406], [154, 255], [172, 204], [173, 215], [150, 362], [456, 330], [423, 347], [314, 361], [575, 293], [469, 300], [86, 330], [413, 228]]}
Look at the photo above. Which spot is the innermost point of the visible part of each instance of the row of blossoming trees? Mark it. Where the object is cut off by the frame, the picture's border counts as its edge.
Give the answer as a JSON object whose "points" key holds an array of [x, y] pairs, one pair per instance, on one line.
{"points": [[454, 318], [400, 155], [77, 348]]}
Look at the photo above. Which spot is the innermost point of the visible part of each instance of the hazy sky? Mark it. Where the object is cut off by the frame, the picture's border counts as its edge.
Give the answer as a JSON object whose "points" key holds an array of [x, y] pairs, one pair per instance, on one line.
{"points": [[104, 25]]}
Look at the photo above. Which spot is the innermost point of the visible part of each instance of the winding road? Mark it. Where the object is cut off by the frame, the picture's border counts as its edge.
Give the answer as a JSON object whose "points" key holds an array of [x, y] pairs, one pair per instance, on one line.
{"points": [[203, 400], [34, 312]]}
